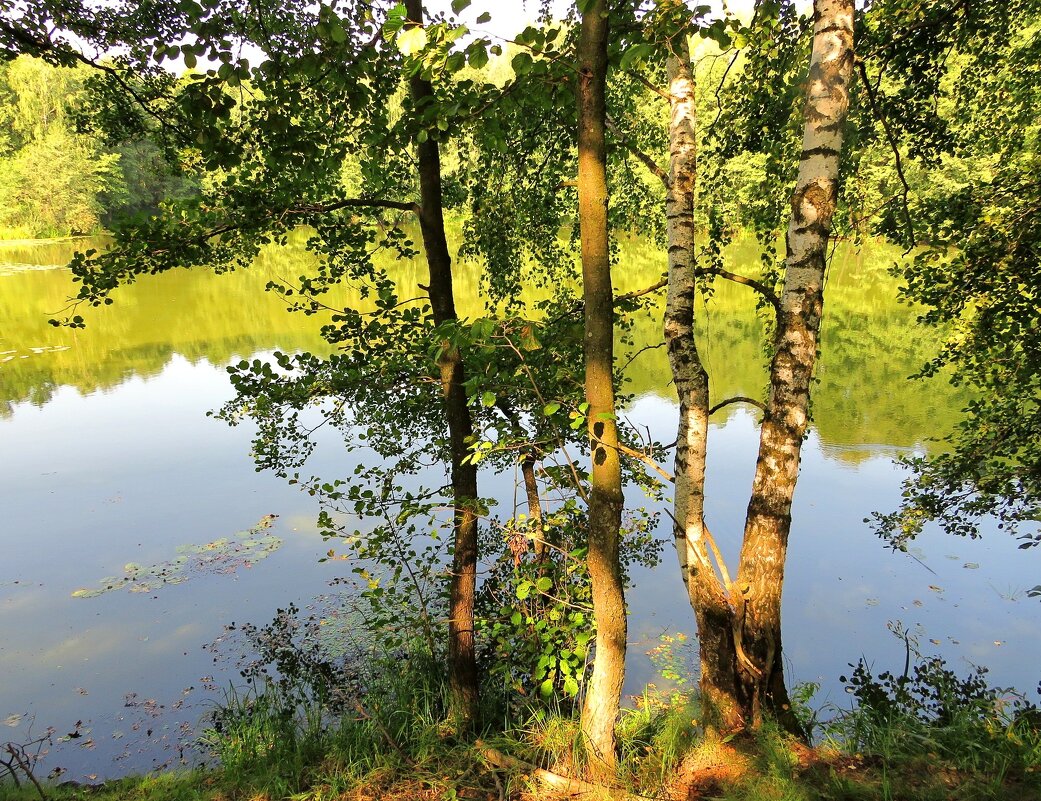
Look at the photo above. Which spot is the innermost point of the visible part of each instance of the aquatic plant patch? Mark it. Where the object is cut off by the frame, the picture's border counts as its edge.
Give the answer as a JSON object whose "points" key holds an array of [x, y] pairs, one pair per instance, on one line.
{"points": [[222, 556]]}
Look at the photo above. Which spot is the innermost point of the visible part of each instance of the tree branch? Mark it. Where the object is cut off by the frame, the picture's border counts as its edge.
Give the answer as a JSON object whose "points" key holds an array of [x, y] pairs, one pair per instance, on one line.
{"points": [[738, 399], [647, 460], [768, 294], [561, 784], [893, 145], [656, 89], [647, 161], [317, 208], [641, 292]]}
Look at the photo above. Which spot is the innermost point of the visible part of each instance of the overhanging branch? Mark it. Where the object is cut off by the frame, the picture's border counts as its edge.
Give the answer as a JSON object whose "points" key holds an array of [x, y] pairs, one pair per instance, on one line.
{"points": [[738, 399], [766, 292]]}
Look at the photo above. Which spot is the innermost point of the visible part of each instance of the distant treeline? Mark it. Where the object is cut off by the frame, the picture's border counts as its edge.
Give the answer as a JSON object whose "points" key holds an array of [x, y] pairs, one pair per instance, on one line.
{"points": [[58, 175], [70, 163]]}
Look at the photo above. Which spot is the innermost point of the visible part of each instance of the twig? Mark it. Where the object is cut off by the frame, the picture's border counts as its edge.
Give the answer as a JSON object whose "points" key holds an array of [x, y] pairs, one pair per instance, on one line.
{"points": [[641, 292], [26, 769]]}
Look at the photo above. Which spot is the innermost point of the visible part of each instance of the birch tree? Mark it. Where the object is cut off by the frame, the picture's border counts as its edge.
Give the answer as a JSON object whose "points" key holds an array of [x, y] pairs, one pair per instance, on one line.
{"points": [[739, 617]]}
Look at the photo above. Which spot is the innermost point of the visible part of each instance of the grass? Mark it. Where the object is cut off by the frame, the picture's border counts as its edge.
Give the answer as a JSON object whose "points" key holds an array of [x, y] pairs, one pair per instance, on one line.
{"points": [[925, 736]]}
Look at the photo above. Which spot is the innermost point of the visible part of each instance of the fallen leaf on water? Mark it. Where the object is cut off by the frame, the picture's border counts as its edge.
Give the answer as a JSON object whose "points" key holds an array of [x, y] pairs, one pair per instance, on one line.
{"points": [[934, 588], [971, 566], [12, 720]]}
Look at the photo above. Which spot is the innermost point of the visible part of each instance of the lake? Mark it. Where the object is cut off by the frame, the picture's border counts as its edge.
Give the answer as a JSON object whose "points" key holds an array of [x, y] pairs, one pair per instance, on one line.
{"points": [[109, 465]]}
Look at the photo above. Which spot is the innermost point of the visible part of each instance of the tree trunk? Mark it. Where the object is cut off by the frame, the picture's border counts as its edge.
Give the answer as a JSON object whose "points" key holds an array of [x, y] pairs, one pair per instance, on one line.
{"points": [[768, 520], [463, 677], [603, 693], [707, 591]]}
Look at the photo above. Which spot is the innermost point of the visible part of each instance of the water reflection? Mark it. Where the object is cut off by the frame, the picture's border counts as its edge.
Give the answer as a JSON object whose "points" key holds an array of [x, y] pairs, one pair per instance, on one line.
{"points": [[870, 344]]}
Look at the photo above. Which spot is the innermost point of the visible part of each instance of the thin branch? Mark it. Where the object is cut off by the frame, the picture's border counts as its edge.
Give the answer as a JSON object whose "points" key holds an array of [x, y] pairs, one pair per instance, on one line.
{"points": [[738, 399], [907, 31], [893, 145], [722, 81], [656, 89], [385, 732], [579, 304], [720, 562], [633, 358], [647, 460], [647, 161], [26, 769], [310, 208], [538, 394], [641, 292], [354, 202], [767, 293], [46, 45]]}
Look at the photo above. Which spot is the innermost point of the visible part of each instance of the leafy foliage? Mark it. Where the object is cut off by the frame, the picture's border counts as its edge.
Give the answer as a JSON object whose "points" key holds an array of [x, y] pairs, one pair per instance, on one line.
{"points": [[959, 86], [930, 709]]}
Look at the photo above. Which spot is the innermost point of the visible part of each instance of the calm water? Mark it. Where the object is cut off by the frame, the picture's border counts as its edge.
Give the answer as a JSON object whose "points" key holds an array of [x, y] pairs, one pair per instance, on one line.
{"points": [[107, 461]]}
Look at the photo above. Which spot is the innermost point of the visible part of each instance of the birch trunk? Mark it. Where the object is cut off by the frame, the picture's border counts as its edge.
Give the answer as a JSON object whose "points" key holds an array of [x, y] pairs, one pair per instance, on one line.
{"points": [[768, 521], [706, 590], [603, 693], [463, 676]]}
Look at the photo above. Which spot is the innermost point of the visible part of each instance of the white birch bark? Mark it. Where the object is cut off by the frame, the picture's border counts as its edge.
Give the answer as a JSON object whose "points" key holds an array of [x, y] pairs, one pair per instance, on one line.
{"points": [[768, 520]]}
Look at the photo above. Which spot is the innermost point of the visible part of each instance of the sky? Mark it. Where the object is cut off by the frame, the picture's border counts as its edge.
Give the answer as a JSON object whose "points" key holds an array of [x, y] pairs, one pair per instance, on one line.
{"points": [[511, 16]]}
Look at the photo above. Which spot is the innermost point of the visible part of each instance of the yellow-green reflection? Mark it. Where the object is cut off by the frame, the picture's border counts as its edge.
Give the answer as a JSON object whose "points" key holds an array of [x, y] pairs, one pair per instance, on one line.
{"points": [[870, 342]]}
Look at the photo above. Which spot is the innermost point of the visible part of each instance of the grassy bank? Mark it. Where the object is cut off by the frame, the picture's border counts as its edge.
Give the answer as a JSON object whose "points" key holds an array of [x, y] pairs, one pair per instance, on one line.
{"points": [[926, 735]]}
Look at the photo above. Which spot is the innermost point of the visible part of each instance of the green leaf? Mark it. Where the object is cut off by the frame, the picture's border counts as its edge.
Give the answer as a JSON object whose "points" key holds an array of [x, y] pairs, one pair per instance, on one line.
{"points": [[488, 399], [483, 18], [550, 408], [524, 590], [477, 55], [455, 62], [522, 63], [544, 584], [634, 55], [395, 21], [459, 5], [412, 41]]}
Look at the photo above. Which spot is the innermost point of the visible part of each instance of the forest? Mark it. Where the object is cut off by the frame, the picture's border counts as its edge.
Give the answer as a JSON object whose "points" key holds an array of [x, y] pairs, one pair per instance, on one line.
{"points": [[468, 203]]}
